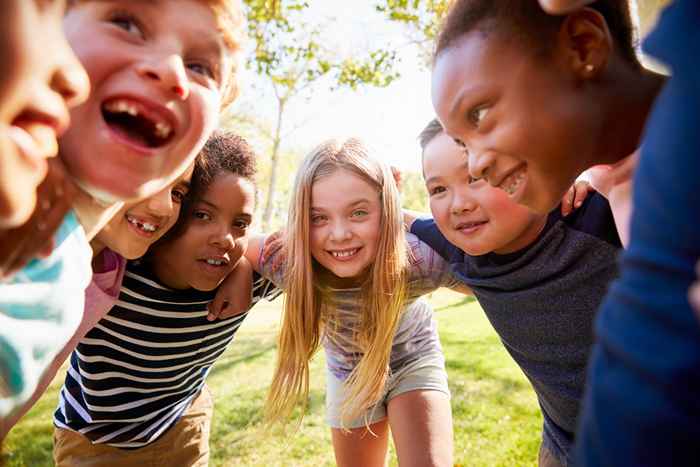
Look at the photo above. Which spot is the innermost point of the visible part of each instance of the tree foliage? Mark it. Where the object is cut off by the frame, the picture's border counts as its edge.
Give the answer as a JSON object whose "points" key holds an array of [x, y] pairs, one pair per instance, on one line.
{"points": [[290, 55]]}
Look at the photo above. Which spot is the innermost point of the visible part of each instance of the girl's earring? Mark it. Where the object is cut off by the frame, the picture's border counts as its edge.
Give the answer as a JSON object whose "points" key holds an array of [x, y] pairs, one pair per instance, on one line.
{"points": [[589, 68]]}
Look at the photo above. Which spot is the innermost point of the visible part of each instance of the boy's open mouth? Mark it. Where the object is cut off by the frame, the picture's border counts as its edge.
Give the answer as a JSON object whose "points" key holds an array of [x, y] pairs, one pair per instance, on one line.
{"points": [[142, 225], [137, 122]]}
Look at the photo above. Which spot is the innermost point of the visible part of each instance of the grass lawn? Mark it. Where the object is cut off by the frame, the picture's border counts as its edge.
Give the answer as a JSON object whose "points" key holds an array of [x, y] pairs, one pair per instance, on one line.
{"points": [[496, 416]]}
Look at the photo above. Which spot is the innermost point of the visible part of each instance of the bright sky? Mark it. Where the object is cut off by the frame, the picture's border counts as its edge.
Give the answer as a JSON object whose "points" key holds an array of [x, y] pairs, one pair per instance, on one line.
{"points": [[388, 119]]}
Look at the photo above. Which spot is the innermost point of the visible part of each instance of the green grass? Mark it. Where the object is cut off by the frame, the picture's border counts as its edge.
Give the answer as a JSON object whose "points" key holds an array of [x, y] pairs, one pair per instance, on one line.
{"points": [[496, 416]]}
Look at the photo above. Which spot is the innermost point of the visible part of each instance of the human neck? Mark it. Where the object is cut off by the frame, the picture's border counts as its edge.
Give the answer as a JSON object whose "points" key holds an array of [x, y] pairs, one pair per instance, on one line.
{"points": [[527, 237], [92, 214], [164, 273], [629, 100]]}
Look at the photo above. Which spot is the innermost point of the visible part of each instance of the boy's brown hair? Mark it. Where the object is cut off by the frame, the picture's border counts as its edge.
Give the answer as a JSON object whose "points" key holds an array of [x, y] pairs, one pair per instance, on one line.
{"points": [[230, 17]]}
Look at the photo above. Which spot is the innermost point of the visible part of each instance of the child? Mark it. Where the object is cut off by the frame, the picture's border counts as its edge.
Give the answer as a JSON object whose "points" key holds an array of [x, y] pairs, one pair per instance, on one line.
{"points": [[539, 278], [506, 73], [645, 373], [352, 281], [158, 84], [135, 393], [127, 236], [41, 78]]}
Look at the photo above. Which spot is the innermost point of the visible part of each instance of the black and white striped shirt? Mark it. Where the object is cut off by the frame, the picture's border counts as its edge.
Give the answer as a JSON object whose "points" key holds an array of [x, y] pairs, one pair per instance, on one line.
{"points": [[136, 372]]}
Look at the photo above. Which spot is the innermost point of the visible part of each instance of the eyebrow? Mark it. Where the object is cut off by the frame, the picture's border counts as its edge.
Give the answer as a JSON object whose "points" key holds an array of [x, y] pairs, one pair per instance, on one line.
{"points": [[436, 177], [464, 93], [353, 204], [208, 203]]}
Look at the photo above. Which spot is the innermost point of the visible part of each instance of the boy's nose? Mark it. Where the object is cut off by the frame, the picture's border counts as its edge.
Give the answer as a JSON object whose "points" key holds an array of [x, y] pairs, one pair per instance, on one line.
{"points": [[161, 204], [462, 202], [169, 73], [70, 80], [480, 164]]}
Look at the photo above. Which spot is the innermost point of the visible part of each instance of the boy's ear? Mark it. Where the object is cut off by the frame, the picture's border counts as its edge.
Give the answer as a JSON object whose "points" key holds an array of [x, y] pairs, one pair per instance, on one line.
{"points": [[586, 41]]}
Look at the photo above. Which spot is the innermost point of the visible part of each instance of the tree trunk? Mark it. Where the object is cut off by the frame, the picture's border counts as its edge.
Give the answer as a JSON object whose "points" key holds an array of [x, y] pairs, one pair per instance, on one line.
{"points": [[274, 163]]}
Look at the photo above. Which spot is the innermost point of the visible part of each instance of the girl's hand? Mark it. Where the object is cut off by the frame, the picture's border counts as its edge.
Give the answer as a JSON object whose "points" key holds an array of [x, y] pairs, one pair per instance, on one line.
{"points": [[694, 291], [34, 238], [615, 183], [235, 293], [275, 247], [560, 7], [574, 198]]}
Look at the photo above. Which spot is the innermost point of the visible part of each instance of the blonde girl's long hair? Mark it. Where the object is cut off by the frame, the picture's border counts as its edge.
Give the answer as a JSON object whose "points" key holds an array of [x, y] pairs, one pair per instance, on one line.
{"points": [[305, 317]]}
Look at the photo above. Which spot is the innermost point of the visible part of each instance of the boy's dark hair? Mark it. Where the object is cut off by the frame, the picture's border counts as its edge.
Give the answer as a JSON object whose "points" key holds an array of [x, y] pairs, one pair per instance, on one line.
{"points": [[223, 152], [431, 130], [528, 20]]}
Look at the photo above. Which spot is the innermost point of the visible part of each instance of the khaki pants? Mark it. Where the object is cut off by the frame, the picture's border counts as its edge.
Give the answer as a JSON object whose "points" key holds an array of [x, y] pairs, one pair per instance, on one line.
{"points": [[185, 444]]}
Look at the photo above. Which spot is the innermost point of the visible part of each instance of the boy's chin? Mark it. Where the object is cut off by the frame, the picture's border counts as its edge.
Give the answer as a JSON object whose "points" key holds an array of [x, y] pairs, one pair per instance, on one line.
{"points": [[102, 197]]}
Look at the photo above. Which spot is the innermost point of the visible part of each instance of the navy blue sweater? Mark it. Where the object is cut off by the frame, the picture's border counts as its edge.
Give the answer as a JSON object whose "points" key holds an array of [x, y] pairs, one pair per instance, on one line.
{"points": [[642, 406], [542, 301]]}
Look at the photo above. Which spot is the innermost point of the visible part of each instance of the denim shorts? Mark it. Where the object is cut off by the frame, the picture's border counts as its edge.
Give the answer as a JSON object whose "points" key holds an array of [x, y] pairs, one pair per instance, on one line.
{"points": [[427, 373]]}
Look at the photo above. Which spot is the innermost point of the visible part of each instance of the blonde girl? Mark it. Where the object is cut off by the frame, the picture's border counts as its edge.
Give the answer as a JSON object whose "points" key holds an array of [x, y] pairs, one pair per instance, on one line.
{"points": [[353, 278]]}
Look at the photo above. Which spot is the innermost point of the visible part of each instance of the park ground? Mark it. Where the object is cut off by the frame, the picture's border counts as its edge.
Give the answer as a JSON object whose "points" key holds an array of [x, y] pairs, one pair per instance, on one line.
{"points": [[496, 416]]}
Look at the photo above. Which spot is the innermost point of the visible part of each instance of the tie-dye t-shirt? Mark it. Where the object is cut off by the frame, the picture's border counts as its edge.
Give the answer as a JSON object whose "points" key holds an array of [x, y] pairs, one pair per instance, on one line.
{"points": [[416, 334]]}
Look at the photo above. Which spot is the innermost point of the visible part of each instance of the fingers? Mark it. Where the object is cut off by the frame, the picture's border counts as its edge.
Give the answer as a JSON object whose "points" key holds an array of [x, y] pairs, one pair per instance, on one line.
{"points": [[216, 307], [235, 293], [274, 244], [567, 203], [581, 190]]}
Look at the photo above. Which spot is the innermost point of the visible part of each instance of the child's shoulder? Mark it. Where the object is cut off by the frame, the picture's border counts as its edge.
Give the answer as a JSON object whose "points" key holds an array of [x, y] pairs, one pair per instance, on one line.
{"points": [[595, 218], [69, 262]]}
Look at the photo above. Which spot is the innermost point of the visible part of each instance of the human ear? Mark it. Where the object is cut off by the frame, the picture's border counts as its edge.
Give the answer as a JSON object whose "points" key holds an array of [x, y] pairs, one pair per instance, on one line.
{"points": [[586, 41]]}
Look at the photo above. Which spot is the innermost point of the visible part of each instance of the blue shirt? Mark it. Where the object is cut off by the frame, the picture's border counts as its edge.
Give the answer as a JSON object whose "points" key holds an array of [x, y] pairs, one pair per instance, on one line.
{"points": [[40, 309], [642, 405]]}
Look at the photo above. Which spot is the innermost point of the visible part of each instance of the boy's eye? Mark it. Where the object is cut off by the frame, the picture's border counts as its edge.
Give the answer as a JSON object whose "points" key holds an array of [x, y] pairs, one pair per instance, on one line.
{"points": [[127, 22], [178, 195], [201, 215], [203, 69], [478, 114], [241, 224], [436, 190]]}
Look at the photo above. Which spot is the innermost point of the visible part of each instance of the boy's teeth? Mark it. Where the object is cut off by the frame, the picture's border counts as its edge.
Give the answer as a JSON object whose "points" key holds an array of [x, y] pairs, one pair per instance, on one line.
{"points": [[511, 184], [215, 262], [123, 106], [163, 130], [343, 254], [146, 226]]}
